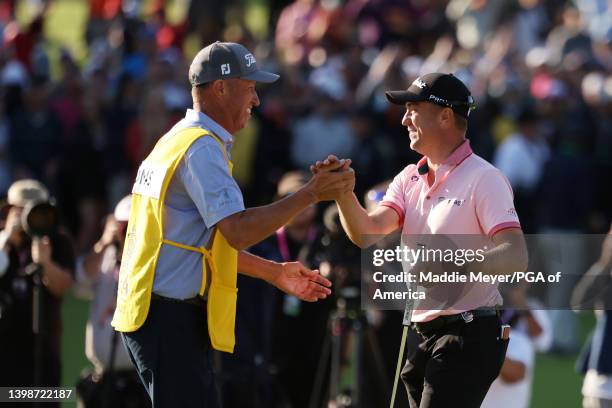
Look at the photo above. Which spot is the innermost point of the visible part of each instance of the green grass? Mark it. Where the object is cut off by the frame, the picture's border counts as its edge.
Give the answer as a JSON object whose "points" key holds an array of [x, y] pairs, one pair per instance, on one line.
{"points": [[556, 382], [74, 316]]}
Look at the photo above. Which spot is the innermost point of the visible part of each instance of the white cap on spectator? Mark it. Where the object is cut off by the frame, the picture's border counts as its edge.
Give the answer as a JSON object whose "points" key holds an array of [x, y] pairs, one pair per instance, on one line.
{"points": [[24, 191], [122, 209]]}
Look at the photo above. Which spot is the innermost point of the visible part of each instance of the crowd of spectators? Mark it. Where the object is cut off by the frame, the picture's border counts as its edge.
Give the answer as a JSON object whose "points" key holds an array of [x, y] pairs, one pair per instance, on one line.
{"points": [[539, 71]]}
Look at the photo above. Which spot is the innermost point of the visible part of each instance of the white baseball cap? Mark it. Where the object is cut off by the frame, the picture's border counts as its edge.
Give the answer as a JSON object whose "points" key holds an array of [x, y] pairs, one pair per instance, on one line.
{"points": [[24, 191], [122, 209]]}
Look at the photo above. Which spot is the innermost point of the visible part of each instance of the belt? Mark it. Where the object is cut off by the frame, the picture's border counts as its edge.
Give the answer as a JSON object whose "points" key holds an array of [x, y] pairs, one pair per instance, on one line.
{"points": [[195, 301], [442, 321]]}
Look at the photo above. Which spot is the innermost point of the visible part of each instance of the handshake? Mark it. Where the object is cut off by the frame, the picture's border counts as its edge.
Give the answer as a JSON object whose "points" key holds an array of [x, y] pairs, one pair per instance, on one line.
{"points": [[331, 179]]}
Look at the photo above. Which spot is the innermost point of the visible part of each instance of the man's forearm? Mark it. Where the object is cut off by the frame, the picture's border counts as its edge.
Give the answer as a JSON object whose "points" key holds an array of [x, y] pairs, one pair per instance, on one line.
{"points": [[508, 256], [57, 279], [256, 267], [356, 221], [592, 288], [255, 224]]}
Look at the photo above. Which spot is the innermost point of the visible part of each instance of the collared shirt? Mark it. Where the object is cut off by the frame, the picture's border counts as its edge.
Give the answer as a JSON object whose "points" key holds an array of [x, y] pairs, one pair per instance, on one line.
{"points": [[468, 197], [201, 193]]}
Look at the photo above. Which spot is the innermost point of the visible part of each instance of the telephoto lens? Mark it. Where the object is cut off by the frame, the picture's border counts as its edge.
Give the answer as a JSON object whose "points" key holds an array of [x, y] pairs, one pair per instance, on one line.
{"points": [[40, 219]]}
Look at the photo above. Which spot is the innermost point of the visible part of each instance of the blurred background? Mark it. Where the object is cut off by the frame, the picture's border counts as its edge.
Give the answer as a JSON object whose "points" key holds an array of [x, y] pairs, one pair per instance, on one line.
{"points": [[87, 88]]}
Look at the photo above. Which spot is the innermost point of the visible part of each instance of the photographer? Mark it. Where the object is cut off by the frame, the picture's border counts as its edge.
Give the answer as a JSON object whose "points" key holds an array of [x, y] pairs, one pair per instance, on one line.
{"points": [[39, 264], [114, 382]]}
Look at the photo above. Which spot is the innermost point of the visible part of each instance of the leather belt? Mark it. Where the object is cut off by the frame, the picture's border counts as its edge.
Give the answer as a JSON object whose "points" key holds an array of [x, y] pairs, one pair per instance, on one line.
{"points": [[442, 321], [195, 301]]}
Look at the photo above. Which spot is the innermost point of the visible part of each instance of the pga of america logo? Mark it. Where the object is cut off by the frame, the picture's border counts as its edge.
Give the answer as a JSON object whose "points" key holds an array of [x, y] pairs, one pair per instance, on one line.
{"points": [[250, 59]]}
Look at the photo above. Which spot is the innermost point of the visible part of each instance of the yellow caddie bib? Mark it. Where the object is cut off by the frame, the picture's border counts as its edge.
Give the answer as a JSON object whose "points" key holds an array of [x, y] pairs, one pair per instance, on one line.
{"points": [[144, 239]]}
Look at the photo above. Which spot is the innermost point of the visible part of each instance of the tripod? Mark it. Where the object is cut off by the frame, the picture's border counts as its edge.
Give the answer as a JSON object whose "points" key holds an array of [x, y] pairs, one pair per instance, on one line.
{"points": [[39, 325], [349, 337]]}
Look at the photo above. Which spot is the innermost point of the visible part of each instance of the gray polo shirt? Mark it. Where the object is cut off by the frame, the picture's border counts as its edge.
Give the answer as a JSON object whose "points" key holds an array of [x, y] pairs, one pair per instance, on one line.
{"points": [[200, 194]]}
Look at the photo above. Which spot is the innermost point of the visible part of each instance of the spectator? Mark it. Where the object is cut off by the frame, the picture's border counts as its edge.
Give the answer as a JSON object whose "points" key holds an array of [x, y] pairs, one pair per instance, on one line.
{"points": [[325, 131], [560, 245], [531, 332], [114, 381], [144, 131], [36, 135], [43, 265], [521, 158], [372, 147], [594, 291]]}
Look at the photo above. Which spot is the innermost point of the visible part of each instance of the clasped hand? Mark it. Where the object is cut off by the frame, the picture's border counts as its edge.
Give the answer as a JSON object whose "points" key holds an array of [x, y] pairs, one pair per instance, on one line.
{"points": [[332, 178]]}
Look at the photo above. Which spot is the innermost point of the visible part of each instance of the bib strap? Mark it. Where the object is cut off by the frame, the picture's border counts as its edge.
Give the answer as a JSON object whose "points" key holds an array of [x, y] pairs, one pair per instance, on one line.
{"points": [[205, 252]]}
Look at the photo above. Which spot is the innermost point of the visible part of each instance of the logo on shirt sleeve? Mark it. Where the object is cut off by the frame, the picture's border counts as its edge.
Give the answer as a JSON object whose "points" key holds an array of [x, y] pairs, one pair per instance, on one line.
{"points": [[511, 212]]}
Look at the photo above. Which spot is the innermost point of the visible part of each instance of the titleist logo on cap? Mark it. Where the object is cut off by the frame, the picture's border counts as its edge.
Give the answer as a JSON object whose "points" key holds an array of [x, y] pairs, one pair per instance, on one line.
{"points": [[418, 82]]}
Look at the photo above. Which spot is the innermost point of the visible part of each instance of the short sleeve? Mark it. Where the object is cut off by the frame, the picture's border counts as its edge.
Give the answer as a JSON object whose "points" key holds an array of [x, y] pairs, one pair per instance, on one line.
{"points": [[207, 180], [495, 203], [395, 197]]}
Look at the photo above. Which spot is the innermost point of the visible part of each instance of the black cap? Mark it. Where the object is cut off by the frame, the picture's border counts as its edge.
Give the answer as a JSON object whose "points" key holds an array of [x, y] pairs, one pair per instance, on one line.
{"points": [[441, 89], [224, 60]]}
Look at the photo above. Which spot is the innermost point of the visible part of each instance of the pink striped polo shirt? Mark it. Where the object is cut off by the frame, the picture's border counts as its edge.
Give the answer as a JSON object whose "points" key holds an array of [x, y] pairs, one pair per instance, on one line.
{"points": [[469, 197]]}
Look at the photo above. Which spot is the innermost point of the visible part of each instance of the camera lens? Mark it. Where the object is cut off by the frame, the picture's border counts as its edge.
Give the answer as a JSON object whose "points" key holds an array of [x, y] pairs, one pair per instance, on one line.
{"points": [[40, 219]]}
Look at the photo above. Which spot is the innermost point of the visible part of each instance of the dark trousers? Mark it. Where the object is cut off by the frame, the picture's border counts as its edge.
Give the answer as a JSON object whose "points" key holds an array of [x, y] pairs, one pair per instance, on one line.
{"points": [[173, 356], [455, 365]]}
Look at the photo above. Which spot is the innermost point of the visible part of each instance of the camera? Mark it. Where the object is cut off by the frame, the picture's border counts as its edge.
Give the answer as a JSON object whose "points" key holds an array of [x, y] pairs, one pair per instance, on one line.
{"points": [[40, 218]]}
